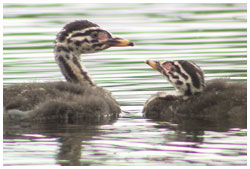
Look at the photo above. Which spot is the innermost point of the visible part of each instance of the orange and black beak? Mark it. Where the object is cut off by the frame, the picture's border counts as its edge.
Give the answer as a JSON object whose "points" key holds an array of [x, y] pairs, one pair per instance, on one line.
{"points": [[119, 42], [155, 65]]}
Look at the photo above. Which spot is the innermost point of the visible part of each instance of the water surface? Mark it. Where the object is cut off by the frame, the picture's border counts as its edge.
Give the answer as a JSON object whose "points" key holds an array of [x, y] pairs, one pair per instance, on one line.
{"points": [[212, 35]]}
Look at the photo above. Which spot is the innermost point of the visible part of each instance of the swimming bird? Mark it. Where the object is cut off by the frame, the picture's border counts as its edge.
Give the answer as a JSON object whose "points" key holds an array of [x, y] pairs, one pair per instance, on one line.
{"points": [[77, 100], [211, 101]]}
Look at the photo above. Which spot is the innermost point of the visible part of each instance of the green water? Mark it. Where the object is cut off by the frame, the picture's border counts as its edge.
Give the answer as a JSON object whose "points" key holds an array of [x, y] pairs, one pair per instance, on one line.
{"points": [[212, 35]]}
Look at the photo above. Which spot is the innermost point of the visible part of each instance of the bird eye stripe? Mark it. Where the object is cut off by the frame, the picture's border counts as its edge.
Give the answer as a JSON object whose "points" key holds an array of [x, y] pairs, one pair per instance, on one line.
{"points": [[173, 76], [78, 43], [97, 45], [88, 32], [85, 40], [178, 70], [94, 41]]}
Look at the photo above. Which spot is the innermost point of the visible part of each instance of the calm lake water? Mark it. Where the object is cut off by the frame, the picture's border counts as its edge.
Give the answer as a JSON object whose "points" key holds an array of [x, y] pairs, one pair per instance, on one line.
{"points": [[212, 35]]}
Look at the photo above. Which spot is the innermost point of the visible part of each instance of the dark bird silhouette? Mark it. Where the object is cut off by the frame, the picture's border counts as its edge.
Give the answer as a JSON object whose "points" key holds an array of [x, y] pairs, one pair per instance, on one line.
{"points": [[210, 102], [77, 100]]}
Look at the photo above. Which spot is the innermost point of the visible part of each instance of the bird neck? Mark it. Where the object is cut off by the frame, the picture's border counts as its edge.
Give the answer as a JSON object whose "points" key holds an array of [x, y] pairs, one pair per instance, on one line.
{"points": [[70, 64]]}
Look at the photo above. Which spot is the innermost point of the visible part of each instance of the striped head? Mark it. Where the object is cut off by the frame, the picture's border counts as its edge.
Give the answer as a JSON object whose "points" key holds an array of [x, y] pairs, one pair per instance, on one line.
{"points": [[185, 76], [82, 36]]}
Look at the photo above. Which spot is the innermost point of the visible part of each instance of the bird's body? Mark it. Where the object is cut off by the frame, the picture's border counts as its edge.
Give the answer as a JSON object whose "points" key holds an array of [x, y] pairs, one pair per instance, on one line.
{"points": [[61, 102], [77, 100], [209, 102]]}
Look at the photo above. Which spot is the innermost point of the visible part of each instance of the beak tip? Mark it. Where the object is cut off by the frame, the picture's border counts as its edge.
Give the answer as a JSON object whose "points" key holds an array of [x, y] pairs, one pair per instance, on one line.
{"points": [[154, 64], [131, 44]]}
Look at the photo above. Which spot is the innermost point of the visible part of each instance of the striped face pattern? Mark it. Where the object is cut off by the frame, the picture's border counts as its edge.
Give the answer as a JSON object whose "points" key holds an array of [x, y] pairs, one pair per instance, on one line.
{"points": [[81, 37], [185, 76], [85, 37]]}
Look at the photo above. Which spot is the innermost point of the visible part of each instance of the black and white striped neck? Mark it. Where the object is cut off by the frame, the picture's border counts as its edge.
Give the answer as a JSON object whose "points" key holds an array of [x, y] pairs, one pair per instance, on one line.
{"points": [[71, 66], [82, 37]]}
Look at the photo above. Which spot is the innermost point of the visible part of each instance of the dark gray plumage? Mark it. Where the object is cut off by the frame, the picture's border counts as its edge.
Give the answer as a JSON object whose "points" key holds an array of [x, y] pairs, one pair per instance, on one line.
{"points": [[60, 102], [79, 99], [218, 101]]}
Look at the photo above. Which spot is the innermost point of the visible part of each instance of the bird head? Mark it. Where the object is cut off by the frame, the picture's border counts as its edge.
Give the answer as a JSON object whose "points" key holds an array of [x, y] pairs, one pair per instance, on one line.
{"points": [[185, 76], [86, 37]]}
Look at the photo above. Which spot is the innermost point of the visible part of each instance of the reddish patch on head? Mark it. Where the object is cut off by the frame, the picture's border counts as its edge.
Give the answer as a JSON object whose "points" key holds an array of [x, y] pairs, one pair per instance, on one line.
{"points": [[167, 66], [102, 37]]}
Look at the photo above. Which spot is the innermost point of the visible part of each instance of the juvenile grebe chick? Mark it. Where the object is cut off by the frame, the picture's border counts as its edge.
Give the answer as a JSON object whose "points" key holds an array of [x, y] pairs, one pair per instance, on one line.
{"points": [[77, 100], [194, 99]]}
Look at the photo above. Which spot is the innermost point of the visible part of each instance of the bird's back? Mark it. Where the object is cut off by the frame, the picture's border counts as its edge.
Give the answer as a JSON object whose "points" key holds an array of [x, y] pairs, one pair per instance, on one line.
{"points": [[219, 100], [60, 101]]}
